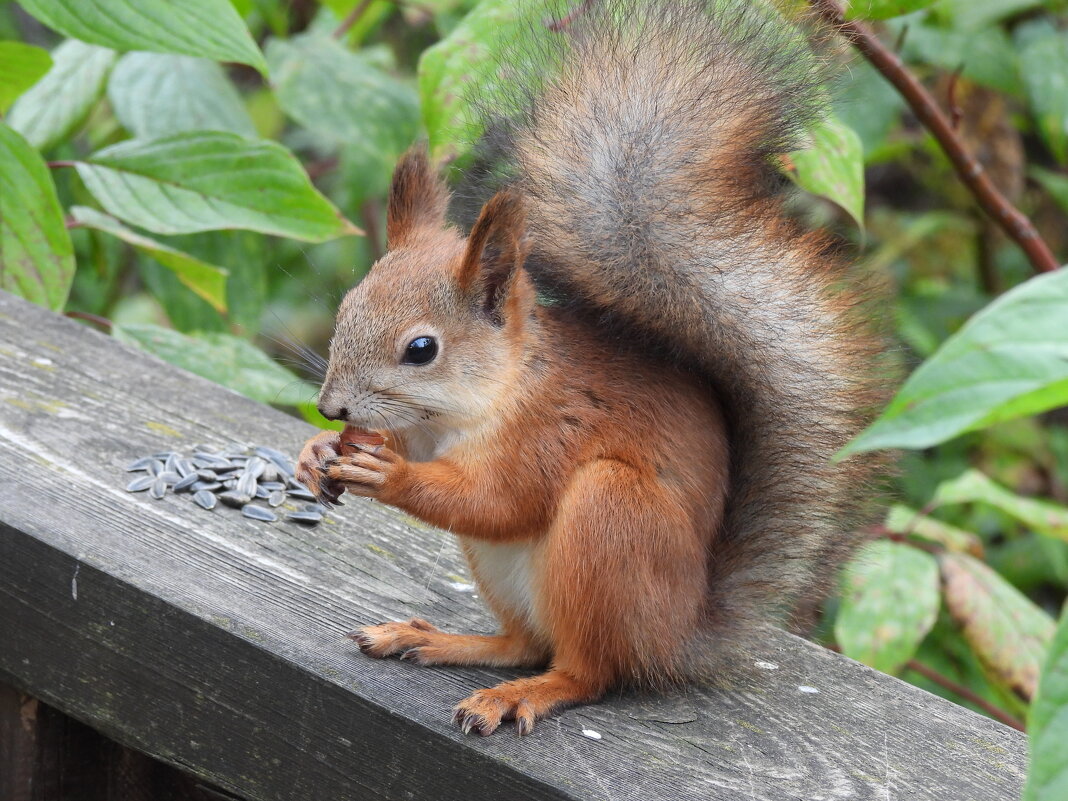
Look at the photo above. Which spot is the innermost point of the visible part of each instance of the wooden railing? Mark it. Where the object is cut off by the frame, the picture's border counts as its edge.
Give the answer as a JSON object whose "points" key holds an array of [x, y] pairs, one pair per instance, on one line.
{"points": [[216, 643]]}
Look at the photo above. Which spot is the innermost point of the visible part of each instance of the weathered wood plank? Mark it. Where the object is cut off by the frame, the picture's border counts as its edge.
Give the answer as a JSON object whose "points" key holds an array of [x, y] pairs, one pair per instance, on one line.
{"points": [[216, 643]]}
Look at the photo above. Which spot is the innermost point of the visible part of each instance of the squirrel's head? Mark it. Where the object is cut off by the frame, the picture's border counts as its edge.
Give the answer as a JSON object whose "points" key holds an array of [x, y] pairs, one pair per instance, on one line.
{"points": [[432, 335]]}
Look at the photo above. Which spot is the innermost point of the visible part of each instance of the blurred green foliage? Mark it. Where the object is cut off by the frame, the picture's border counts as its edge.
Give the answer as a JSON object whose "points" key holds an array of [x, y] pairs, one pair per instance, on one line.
{"points": [[201, 189]]}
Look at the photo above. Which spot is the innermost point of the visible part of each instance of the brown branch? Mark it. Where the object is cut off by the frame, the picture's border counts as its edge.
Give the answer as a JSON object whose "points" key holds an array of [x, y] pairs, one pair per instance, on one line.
{"points": [[103, 322], [562, 24], [352, 18], [55, 165], [923, 105], [959, 689]]}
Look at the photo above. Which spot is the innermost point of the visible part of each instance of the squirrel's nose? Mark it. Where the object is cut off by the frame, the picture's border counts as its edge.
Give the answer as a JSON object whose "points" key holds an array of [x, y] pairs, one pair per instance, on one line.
{"points": [[331, 412]]}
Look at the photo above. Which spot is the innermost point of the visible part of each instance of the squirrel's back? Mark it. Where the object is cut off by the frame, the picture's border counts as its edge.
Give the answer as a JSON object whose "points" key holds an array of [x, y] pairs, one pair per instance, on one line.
{"points": [[641, 140]]}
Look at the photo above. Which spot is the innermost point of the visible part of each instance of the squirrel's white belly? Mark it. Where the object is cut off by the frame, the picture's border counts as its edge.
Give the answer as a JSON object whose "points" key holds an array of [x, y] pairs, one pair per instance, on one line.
{"points": [[505, 573]]}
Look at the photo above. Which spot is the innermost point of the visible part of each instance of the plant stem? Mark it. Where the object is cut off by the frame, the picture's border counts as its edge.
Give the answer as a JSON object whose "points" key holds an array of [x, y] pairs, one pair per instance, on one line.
{"points": [[351, 19], [959, 689], [923, 105], [103, 322]]}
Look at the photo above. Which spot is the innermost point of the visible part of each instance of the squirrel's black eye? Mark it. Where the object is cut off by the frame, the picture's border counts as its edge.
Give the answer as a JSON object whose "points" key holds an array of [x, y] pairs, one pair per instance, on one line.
{"points": [[421, 350]]}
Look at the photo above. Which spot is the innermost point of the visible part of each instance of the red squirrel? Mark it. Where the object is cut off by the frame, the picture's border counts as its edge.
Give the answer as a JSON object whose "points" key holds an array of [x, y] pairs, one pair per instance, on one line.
{"points": [[623, 387]]}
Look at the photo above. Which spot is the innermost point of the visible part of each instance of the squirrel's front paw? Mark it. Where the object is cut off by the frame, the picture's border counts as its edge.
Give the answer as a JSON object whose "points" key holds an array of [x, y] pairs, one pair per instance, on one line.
{"points": [[311, 465], [374, 471]]}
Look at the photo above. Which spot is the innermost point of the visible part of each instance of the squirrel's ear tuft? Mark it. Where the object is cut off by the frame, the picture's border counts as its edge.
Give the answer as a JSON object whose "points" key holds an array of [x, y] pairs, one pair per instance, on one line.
{"points": [[496, 248], [418, 198]]}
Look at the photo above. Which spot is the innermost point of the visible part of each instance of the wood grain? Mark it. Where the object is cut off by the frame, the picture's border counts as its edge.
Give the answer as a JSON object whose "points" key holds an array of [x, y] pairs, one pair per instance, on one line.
{"points": [[216, 643]]}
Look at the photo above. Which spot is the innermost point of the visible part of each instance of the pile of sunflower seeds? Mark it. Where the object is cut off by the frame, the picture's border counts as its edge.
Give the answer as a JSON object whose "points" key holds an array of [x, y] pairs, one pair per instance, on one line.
{"points": [[237, 476]]}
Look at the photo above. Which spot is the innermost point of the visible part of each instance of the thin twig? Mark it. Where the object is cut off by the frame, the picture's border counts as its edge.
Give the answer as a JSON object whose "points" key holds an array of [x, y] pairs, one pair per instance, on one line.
{"points": [[57, 164], [352, 18], [562, 24], [959, 689], [956, 113], [923, 105], [103, 322]]}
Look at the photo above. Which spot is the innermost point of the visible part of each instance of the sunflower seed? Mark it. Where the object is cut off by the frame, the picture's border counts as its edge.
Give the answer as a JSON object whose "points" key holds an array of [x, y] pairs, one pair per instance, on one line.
{"points": [[305, 517], [302, 494], [270, 472], [255, 466], [285, 467], [141, 484], [209, 459], [276, 498], [262, 491], [169, 478], [163, 455], [235, 499], [209, 486], [171, 465], [230, 483], [246, 485], [155, 467], [158, 489], [204, 499], [206, 474], [259, 513], [269, 453], [315, 507], [185, 467], [186, 483], [273, 485], [140, 464]]}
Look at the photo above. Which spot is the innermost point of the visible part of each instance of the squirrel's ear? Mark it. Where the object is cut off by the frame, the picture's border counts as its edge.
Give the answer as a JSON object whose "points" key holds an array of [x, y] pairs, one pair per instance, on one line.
{"points": [[417, 197], [496, 248]]}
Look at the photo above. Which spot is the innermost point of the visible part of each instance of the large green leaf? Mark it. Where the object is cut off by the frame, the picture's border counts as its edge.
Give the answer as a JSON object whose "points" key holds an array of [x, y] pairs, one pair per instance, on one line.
{"points": [[833, 166], [889, 603], [207, 280], [1043, 52], [209, 28], [58, 104], [209, 180], [1007, 631], [158, 94], [1047, 728], [469, 57], [1009, 360], [36, 254], [986, 56], [228, 360], [884, 9], [973, 15], [973, 486], [21, 66], [342, 95]]}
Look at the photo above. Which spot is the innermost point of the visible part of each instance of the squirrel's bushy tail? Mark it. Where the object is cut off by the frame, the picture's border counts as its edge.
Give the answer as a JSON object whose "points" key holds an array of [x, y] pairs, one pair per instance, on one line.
{"points": [[644, 154]]}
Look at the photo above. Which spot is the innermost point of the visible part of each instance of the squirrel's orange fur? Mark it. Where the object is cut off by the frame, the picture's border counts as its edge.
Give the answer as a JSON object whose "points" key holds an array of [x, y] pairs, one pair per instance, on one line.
{"points": [[647, 457]]}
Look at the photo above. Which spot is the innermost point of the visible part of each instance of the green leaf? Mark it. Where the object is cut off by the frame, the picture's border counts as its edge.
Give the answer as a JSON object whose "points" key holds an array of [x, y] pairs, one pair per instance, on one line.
{"points": [[157, 94], [209, 28], [986, 56], [21, 66], [225, 359], [341, 95], [58, 104], [1006, 630], [207, 280], [36, 254], [1043, 52], [1047, 725], [833, 166], [903, 520], [972, 15], [972, 486], [470, 57], [1008, 361], [210, 180], [889, 603], [884, 9]]}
